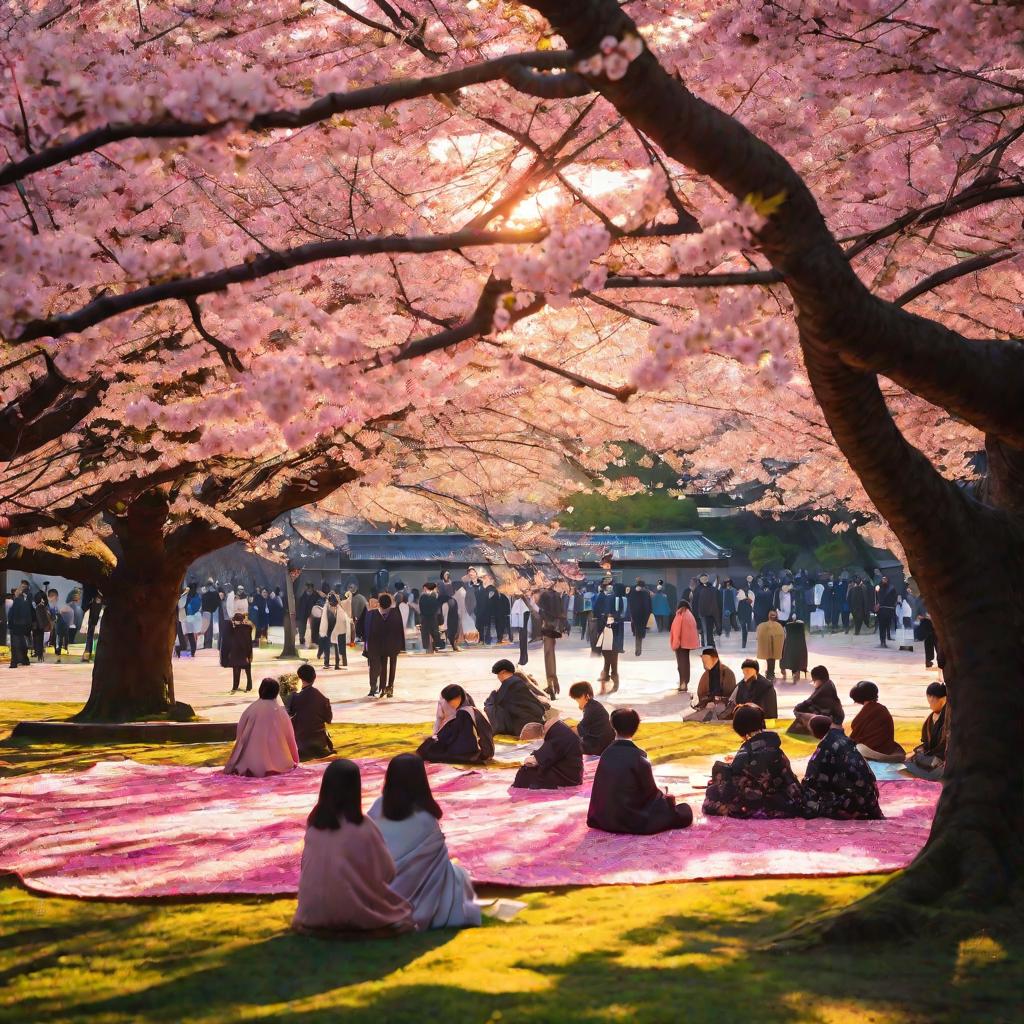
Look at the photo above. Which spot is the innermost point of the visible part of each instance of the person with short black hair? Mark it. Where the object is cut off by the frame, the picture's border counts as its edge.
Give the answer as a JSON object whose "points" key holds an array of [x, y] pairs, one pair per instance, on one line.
{"points": [[440, 892], [384, 638], [462, 734], [595, 728], [823, 701], [311, 711], [515, 703], [625, 798], [873, 731], [753, 688], [683, 638], [236, 650], [346, 869], [757, 782], [264, 740], [430, 618], [557, 762], [928, 761], [714, 690], [838, 782]]}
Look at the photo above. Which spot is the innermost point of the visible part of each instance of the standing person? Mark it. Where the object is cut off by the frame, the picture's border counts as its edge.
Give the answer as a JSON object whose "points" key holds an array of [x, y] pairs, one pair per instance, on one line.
{"points": [[430, 617], [885, 609], [458, 608], [729, 607], [706, 610], [609, 630], [552, 625], [385, 640], [763, 597], [859, 602], [276, 605], [311, 712], [71, 612], [745, 610], [683, 638], [337, 631], [190, 617], [58, 631], [357, 606], [41, 625], [502, 614], [794, 650], [660, 607], [771, 639], [785, 602], [303, 610], [520, 624], [474, 605], [92, 603], [641, 607], [209, 607], [20, 623], [926, 631], [452, 618], [236, 651]]}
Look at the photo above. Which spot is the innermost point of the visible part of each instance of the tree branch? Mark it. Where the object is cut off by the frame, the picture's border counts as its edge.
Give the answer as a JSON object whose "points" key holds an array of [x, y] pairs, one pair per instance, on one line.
{"points": [[958, 270]]}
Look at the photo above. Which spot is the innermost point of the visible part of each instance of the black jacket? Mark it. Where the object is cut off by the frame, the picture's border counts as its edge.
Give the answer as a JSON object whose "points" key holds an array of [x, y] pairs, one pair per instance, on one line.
{"points": [[595, 728], [513, 704], [760, 692], [625, 797], [559, 761], [383, 633], [639, 601], [465, 739], [824, 701]]}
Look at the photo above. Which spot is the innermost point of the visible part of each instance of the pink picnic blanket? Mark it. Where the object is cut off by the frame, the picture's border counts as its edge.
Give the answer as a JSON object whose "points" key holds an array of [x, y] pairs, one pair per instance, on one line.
{"points": [[123, 830]]}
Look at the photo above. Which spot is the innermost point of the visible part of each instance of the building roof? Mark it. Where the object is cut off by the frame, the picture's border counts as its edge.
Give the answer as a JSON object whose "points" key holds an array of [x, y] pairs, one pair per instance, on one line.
{"points": [[684, 546], [420, 547]]}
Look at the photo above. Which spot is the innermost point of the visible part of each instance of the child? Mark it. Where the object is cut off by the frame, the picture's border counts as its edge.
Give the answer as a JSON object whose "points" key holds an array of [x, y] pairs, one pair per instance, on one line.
{"points": [[595, 728]]}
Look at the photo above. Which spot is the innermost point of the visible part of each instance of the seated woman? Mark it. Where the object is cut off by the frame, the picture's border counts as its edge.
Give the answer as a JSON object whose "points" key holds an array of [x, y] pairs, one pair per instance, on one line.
{"points": [[346, 869], [407, 815], [753, 688], [758, 783], [265, 740], [928, 761], [838, 782], [823, 701], [595, 728], [873, 730], [625, 798], [557, 762], [462, 734], [714, 689], [515, 703]]}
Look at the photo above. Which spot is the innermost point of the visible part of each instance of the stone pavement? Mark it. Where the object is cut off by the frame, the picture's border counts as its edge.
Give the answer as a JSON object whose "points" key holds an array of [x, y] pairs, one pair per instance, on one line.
{"points": [[647, 683]]}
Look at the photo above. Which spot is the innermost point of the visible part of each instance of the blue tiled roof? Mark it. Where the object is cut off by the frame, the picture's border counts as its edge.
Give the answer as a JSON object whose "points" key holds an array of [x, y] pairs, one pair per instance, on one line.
{"points": [[686, 546], [419, 547]]}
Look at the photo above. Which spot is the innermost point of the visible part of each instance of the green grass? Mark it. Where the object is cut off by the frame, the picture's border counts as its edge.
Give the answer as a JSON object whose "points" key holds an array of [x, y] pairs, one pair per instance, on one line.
{"points": [[648, 954]]}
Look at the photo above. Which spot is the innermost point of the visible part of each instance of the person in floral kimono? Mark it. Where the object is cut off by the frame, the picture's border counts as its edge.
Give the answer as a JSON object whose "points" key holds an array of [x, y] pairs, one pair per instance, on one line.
{"points": [[838, 782], [758, 782]]}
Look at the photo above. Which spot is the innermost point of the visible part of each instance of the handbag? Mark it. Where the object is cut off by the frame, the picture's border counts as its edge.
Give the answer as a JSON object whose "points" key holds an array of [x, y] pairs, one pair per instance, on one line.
{"points": [[606, 640], [651, 621]]}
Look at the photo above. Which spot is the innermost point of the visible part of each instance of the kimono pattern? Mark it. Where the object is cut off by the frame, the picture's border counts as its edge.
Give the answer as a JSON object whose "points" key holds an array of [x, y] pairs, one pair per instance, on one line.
{"points": [[758, 784], [838, 782]]}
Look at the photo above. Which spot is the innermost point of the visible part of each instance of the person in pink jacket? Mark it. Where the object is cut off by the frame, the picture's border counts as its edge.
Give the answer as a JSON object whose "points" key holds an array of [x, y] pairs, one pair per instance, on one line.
{"points": [[683, 638], [265, 740]]}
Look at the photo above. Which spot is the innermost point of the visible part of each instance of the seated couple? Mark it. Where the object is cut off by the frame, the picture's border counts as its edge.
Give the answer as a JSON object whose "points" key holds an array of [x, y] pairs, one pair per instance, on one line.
{"points": [[718, 693], [385, 872], [758, 782]]}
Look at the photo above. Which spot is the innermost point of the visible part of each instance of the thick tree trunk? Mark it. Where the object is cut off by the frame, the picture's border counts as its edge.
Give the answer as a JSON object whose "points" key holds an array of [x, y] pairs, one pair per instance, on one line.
{"points": [[289, 650], [132, 676]]}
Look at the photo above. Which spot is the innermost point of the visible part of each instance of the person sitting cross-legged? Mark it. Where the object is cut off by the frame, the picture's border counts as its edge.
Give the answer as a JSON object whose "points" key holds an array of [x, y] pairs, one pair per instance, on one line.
{"points": [[595, 728], [928, 761], [823, 701], [838, 782], [753, 688], [714, 690], [757, 782], [311, 711], [625, 798], [515, 703], [873, 731], [557, 762], [462, 734], [265, 740]]}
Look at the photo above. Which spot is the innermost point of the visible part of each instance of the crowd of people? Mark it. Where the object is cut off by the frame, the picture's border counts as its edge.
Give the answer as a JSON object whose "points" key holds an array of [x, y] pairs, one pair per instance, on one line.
{"points": [[37, 621], [389, 871]]}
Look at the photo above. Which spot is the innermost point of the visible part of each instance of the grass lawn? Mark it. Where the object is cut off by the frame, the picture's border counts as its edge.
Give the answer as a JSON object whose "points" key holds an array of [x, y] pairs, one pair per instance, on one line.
{"points": [[665, 953]]}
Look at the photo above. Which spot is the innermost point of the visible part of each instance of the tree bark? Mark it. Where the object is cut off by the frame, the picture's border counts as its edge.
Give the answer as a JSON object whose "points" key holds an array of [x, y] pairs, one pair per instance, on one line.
{"points": [[289, 650]]}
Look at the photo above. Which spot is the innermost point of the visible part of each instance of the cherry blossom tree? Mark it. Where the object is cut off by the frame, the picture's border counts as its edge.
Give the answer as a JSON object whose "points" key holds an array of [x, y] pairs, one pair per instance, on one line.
{"points": [[235, 236]]}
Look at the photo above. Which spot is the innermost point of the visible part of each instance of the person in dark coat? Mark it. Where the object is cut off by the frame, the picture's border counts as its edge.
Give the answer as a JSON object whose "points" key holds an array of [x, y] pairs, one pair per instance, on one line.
{"points": [[486, 611], [838, 782], [706, 610], [236, 651], [753, 688], [823, 701], [557, 762], [625, 798], [501, 608], [384, 640], [430, 618], [794, 650], [210, 607], [41, 624], [858, 598], [303, 609], [595, 728], [310, 712], [885, 607], [640, 609], [553, 623], [758, 782], [928, 761], [20, 620], [609, 609], [462, 734], [515, 703]]}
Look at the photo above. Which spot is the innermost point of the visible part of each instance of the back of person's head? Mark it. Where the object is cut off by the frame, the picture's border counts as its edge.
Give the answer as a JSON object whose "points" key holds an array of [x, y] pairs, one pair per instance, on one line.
{"points": [[682, 605], [531, 731], [429, 585], [819, 726], [407, 789], [751, 663], [384, 600], [773, 615], [269, 689], [306, 673], [936, 690], [341, 796], [625, 722], [820, 672], [502, 666], [864, 691], [582, 689], [453, 690], [749, 718]]}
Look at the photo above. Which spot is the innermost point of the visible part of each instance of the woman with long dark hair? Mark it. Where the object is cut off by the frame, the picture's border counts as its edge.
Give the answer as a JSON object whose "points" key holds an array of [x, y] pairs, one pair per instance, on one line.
{"points": [[346, 868], [440, 892]]}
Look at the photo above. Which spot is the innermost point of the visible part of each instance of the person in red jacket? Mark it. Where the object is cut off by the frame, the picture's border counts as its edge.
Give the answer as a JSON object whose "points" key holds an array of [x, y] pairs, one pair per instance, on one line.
{"points": [[683, 638]]}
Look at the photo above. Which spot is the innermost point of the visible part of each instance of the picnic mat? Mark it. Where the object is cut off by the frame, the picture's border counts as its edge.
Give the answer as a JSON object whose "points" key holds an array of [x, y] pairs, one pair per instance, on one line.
{"points": [[127, 830]]}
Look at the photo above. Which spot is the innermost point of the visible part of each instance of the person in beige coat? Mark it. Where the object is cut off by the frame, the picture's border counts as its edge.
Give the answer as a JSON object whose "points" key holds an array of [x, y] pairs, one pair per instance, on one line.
{"points": [[770, 638], [265, 740]]}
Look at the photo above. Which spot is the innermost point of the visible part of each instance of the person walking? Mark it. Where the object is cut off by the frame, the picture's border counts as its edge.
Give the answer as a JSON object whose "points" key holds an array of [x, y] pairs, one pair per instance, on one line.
{"points": [[236, 651], [641, 607], [42, 625], [20, 623], [384, 640], [92, 603], [858, 600], [683, 638], [303, 610], [706, 611], [745, 610], [210, 608], [660, 607], [430, 617], [553, 623], [885, 609], [335, 635], [609, 612]]}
